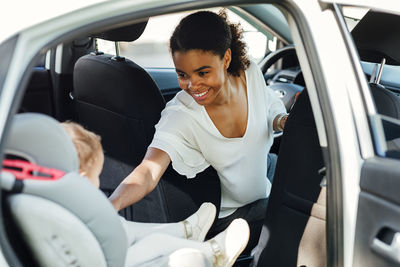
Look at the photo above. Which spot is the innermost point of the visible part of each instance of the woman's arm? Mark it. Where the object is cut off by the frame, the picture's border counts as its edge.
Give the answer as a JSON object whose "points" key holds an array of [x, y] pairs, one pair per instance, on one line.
{"points": [[142, 180]]}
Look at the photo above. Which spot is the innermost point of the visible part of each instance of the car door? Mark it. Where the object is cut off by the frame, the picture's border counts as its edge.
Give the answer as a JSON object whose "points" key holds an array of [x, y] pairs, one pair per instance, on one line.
{"points": [[377, 222]]}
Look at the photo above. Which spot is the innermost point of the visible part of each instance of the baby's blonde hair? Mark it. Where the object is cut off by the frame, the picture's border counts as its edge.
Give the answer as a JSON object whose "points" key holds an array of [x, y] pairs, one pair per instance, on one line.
{"points": [[87, 144]]}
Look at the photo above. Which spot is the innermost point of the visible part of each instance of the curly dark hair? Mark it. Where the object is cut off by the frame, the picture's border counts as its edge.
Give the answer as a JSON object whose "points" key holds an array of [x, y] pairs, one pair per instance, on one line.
{"points": [[211, 32]]}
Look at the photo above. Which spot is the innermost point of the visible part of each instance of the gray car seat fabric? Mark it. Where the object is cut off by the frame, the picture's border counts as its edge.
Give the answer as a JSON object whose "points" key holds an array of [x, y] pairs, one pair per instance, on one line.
{"points": [[28, 129], [67, 221]]}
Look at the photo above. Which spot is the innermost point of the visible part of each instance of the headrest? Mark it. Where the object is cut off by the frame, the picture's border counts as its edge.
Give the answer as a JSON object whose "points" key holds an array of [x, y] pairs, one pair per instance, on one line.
{"points": [[123, 34], [42, 140], [376, 36]]}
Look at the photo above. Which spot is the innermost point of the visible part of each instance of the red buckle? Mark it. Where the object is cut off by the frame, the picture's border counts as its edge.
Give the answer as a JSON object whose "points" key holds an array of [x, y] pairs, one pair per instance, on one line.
{"points": [[26, 170]]}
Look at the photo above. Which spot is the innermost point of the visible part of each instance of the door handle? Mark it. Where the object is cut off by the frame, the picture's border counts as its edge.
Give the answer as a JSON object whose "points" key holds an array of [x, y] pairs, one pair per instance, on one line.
{"points": [[392, 250]]}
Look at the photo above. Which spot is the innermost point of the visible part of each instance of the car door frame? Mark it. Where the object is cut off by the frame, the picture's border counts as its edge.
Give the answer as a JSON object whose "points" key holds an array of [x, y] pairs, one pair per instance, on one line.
{"points": [[344, 172], [378, 208]]}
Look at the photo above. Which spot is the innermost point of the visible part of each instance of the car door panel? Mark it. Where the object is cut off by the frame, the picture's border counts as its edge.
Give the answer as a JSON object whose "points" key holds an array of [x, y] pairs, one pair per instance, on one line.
{"points": [[378, 218]]}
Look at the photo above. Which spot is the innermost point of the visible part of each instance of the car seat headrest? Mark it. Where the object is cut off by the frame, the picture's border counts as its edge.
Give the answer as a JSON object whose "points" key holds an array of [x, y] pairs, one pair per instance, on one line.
{"points": [[42, 140], [376, 37], [123, 34]]}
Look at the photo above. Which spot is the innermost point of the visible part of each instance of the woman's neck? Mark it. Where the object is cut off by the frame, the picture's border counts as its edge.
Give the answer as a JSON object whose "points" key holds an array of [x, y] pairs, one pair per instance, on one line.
{"points": [[228, 92]]}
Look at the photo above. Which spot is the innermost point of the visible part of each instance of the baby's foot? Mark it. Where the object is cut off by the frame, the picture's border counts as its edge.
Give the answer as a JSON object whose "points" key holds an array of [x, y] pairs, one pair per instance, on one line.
{"points": [[198, 224], [228, 245]]}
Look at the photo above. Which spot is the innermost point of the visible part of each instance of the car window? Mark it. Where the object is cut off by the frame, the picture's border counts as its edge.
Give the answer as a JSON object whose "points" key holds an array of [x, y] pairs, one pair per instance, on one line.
{"points": [[151, 49]]}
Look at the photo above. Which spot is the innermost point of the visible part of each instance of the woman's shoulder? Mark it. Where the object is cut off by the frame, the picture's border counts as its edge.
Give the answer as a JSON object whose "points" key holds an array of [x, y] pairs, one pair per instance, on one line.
{"points": [[182, 101], [252, 68], [180, 106], [254, 76]]}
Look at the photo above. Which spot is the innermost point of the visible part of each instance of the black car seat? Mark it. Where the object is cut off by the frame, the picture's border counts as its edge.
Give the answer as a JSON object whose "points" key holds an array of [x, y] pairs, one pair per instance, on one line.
{"points": [[120, 101], [54, 216], [297, 200], [386, 102]]}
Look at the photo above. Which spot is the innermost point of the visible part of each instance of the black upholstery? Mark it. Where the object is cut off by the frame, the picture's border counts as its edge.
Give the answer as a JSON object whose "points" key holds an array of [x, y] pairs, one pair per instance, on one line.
{"points": [[296, 186], [386, 102], [184, 196], [119, 100], [377, 36], [38, 93], [127, 33]]}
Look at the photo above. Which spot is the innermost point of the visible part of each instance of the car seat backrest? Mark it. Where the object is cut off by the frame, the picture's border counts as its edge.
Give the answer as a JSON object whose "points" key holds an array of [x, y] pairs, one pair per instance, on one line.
{"points": [[295, 204], [118, 99], [386, 102], [65, 220]]}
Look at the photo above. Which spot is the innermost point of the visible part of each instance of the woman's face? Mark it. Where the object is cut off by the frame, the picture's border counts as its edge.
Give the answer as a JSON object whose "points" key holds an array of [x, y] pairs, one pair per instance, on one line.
{"points": [[202, 74]]}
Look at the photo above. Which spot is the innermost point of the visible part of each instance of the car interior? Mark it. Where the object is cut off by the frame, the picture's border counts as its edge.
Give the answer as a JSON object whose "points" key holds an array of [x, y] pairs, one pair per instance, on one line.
{"points": [[121, 101]]}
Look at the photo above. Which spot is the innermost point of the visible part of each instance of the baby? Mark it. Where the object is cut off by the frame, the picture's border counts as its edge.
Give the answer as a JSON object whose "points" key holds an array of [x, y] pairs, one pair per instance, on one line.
{"points": [[180, 243]]}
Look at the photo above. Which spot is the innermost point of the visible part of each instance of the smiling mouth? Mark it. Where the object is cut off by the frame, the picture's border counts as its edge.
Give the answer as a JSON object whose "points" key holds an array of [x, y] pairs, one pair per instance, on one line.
{"points": [[201, 94]]}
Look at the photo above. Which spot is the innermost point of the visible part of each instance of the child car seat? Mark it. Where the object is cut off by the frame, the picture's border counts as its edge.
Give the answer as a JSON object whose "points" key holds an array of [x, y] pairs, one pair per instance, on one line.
{"points": [[63, 219]]}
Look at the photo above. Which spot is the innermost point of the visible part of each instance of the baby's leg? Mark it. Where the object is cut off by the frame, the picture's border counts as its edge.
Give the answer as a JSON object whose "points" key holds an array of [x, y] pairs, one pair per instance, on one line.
{"points": [[181, 258], [156, 246], [222, 250], [195, 227], [137, 231], [188, 257]]}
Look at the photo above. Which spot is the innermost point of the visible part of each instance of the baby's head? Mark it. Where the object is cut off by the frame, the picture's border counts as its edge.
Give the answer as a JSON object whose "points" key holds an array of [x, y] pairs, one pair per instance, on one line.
{"points": [[90, 151]]}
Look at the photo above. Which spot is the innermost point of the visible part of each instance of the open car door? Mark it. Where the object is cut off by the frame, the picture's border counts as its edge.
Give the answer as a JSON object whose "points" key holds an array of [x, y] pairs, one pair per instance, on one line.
{"points": [[377, 218]]}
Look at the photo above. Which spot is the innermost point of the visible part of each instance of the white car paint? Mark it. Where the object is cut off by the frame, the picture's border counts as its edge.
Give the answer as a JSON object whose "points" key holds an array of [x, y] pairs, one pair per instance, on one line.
{"points": [[333, 60]]}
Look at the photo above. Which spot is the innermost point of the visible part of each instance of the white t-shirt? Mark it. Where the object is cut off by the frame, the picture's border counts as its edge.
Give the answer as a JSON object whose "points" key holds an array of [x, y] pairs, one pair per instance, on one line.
{"points": [[188, 135]]}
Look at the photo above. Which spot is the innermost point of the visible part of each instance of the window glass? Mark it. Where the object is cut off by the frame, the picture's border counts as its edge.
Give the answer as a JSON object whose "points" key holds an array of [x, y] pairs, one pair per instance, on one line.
{"points": [[151, 49]]}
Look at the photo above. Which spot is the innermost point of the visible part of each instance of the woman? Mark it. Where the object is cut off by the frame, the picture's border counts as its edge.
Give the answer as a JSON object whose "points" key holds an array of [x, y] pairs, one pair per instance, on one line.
{"points": [[225, 117]]}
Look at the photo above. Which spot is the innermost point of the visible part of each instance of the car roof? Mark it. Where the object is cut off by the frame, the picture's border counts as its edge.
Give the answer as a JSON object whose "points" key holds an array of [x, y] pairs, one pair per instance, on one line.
{"points": [[15, 19]]}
